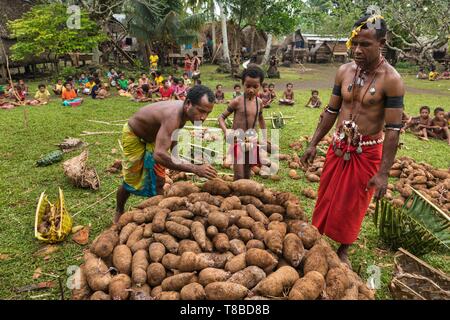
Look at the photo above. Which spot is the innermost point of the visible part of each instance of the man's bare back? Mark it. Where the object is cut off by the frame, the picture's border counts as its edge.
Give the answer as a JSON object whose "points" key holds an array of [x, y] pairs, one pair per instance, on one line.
{"points": [[147, 121]]}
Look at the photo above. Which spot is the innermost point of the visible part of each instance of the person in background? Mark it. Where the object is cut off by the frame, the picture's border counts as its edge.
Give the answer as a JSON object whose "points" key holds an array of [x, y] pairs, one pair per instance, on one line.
{"points": [[58, 87], [41, 97], [188, 65]]}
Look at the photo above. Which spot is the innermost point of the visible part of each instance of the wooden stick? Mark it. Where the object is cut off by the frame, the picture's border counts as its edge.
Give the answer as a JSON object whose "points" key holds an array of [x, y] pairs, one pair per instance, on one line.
{"points": [[9, 74], [204, 148], [89, 133], [90, 206], [107, 123]]}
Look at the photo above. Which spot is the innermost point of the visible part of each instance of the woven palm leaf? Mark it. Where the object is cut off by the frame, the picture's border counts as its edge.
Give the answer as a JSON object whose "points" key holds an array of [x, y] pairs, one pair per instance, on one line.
{"points": [[421, 228]]}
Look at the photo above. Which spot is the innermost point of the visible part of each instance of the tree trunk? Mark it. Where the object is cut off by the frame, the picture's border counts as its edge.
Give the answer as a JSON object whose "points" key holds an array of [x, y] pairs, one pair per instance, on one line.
{"points": [[252, 42], [96, 55], [226, 52], [213, 29], [268, 47]]}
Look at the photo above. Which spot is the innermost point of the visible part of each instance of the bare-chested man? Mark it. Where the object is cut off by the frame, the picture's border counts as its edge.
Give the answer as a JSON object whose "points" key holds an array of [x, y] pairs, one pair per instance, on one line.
{"points": [[147, 137], [367, 97]]}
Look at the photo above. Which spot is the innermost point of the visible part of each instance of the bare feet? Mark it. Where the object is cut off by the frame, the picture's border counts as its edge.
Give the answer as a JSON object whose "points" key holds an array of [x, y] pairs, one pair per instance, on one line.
{"points": [[342, 253]]}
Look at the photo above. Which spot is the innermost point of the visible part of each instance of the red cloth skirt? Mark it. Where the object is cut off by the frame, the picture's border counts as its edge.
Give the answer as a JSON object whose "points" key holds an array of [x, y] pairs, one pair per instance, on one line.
{"points": [[342, 198]]}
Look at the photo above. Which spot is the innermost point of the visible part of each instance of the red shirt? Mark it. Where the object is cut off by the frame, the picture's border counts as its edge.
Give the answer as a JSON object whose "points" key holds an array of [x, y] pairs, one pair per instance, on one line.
{"points": [[166, 93]]}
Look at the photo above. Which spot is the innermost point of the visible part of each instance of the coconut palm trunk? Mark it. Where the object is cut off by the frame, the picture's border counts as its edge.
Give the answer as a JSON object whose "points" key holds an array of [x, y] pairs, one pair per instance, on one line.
{"points": [[226, 52], [268, 47]]}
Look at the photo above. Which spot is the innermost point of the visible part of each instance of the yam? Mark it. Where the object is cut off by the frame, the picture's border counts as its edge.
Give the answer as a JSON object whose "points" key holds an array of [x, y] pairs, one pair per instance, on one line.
{"points": [[274, 241], [237, 246], [159, 221], [142, 244], [148, 232], [269, 209], [170, 261], [235, 215], [211, 231], [281, 227], [231, 203], [168, 241], [119, 287], [217, 187], [141, 293], [100, 295], [256, 244], [168, 295], [182, 221], [245, 223], [139, 216], [188, 246], [245, 235], [199, 234], [221, 242], [247, 187], [219, 220], [236, 264], [277, 282], [210, 275], [97, 273], [293, 250], [315, 260], [212, 260], [312, 177], [246, 200], [308, 288], [125, 219], [337, 282], [200, 208], [309, 193], [294, 211], [182, 189], [256, 214], [225, 291], [233, 232], [193, 291], [139, 266], [308, 234], [248, 277], [104, 244], [122, 259], [188, 262], [126, 232], [259, 231], [200, 196], [276, 217], [156, 291], [153, 201], [156, 251], [260, 258], [173, 203], [181, 213], [135, 236], [267, 197], [156, 273], [177, 282], [177, 230]]}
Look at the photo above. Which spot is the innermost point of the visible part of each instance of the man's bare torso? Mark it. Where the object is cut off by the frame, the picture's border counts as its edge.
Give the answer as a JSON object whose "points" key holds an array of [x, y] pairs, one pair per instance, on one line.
{"points": [[147, 121], [369, 113]]}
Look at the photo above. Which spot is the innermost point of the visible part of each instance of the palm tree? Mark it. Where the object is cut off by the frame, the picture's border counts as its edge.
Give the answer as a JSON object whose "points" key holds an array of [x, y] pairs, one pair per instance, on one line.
{"points": [[223, 18], [163, 23]]}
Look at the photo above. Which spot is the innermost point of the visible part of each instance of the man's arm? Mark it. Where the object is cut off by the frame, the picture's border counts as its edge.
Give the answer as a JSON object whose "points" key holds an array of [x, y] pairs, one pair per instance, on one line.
{"points": [[161, 156], [393, 123], [230, 109]]}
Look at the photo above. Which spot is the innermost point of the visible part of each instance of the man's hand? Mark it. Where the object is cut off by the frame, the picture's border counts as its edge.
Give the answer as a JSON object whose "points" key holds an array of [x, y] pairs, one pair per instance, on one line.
{"points": [[379, 182], [205, 171], [309, 155]]}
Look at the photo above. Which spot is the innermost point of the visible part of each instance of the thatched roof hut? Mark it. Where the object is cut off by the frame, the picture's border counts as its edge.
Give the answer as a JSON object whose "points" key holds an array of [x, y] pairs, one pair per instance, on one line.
{"points": [[321, 53]]}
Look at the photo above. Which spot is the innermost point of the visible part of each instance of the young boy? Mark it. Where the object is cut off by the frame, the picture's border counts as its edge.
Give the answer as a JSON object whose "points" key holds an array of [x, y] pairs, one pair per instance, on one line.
{"points": [[180, 91], [187, 80], [159, 78], [418, 125], [41, 97], [272, 91], [439, 126], [266, 96], [421, 75], [247, 111], [314, 100], [143, 79], [23, 87], [165, 91], [69, 96], [143, 94], [288, 96], [122, 83], [237, 91], [219, 94]]}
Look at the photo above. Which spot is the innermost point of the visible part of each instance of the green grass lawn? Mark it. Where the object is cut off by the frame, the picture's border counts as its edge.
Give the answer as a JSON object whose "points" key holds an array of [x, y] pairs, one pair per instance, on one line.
{"points": [[23, 142]]}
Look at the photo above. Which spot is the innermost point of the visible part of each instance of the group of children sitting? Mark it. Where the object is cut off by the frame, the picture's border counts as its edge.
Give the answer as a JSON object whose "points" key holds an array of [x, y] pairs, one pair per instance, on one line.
{"points": [[426, 127], [268, 95], [433, 75], [16, 94]]}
